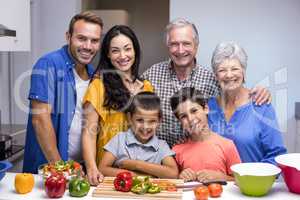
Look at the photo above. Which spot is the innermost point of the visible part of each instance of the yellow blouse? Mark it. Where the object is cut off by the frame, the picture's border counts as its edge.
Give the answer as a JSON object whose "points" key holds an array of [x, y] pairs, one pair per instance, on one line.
{"points": [[111, 121]]}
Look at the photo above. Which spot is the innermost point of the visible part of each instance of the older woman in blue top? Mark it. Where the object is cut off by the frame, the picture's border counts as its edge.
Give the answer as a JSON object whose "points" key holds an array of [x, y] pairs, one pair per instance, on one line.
{"points": [[253, 128]]}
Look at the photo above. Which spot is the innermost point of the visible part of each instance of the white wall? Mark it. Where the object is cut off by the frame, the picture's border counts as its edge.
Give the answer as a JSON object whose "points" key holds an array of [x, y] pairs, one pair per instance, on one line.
{"points": [[269, 31], [49, 22]]}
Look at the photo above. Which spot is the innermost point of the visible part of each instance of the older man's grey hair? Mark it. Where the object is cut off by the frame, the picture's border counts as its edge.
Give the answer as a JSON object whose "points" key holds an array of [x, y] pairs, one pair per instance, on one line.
{"points": [[180, 22], [228, 50]]}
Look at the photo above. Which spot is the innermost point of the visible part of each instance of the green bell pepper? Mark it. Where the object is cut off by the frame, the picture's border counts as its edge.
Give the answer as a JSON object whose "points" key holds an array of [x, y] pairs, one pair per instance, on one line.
{"points": [[140, 179], [142, 185], [79, 187], [141, 188], [137, 180]]}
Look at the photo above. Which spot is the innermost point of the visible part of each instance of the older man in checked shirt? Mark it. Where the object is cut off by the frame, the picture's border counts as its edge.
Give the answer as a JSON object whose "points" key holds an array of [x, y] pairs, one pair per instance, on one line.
{"points": [[182, 70]]}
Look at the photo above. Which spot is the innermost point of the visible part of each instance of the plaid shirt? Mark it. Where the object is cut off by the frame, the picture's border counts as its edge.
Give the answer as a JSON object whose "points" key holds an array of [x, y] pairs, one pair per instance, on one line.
{"points": [[163, 77]]}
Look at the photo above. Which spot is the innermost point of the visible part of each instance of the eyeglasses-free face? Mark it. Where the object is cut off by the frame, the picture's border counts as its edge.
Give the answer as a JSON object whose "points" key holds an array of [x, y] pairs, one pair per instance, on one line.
{"points": [[182, 46], [230, 75]]}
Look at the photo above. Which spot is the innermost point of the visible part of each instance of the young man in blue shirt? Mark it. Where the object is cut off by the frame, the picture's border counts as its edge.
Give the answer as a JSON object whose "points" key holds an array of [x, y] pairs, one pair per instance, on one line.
{"points": [[58, 83]]}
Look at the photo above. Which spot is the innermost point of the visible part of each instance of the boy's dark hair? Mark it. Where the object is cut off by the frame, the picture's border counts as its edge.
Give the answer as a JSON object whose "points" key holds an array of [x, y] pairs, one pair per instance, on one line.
{"points": [[187, 93], [146, 101], [87, 16]]}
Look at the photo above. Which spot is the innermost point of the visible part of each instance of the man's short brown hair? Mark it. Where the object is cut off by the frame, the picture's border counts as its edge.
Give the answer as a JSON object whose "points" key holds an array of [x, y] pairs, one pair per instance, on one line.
{"points": [[87, 16]]}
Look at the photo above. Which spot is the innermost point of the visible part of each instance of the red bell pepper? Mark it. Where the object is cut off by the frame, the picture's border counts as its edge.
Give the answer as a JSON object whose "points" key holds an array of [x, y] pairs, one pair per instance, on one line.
{"points": [[55, 185], [123, 182]]}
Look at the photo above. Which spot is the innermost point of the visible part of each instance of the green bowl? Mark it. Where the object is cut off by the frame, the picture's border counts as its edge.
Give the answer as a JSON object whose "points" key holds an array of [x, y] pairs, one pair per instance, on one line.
{"points": [[255, 179]]}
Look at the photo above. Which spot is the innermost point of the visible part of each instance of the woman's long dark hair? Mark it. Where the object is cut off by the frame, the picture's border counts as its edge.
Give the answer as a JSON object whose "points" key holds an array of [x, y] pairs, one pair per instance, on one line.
{"points": [[116, 94]]}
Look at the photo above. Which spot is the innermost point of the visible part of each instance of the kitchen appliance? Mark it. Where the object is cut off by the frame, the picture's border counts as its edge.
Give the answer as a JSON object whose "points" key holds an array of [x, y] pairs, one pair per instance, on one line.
{"points": [[5, 146], [15, 153], [12, 139]]}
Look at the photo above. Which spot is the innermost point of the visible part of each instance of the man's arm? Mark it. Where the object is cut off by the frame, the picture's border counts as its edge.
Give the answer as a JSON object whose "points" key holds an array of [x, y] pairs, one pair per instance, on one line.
{"points": [[261, 95], [45, 133]]}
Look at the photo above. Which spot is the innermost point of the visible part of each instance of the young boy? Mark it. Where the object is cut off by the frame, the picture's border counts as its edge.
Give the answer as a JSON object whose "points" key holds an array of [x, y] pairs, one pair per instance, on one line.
{"points": [[138, 149], [205, 155]]}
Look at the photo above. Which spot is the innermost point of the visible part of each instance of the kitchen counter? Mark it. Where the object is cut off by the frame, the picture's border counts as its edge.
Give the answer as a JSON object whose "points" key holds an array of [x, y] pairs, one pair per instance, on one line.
{"points": [[230, 192]]}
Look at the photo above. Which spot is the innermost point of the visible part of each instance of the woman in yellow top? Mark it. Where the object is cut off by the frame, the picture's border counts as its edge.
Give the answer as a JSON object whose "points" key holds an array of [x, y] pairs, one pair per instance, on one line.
{"points": [[115, 80]]}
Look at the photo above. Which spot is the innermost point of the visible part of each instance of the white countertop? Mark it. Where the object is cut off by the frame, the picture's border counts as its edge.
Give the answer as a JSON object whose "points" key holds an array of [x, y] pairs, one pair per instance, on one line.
{"points": [[230, 191]]}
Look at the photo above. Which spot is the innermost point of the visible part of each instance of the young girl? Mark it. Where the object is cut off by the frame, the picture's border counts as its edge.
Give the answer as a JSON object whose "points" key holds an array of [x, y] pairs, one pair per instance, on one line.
{"points": [[205, 155], [115, 80], [139, 149]]}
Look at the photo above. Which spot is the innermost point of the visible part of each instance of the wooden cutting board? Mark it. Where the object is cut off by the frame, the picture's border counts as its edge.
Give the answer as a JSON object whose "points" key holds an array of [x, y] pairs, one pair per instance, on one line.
{"points": [[106, 189]]}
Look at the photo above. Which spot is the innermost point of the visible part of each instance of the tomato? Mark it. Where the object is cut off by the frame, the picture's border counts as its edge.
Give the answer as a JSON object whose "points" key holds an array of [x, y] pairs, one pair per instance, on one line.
{"points": [[24, 183], [215, 189], [76, 165], [201, 192]]}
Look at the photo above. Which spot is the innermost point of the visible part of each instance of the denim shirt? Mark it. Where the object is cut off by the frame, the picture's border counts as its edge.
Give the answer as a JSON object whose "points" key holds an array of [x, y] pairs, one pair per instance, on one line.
{"points": [[52, 82], [253, 129]]}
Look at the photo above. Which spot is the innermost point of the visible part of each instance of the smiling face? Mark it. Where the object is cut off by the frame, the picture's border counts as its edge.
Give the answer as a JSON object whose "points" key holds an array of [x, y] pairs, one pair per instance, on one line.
{"points": [[144, 123], [193, 117], [121, 53], [84, 42], [230, 75], [182, 46]]}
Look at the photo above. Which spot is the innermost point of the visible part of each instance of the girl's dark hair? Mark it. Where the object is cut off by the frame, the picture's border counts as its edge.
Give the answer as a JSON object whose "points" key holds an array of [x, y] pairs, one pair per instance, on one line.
{"points": [[116, 94], [187, 93], [146, 101]]}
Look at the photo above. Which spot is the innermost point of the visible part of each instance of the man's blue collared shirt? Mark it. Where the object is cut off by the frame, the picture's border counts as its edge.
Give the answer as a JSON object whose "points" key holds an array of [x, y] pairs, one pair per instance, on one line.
{"points": [[52, 82]]}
